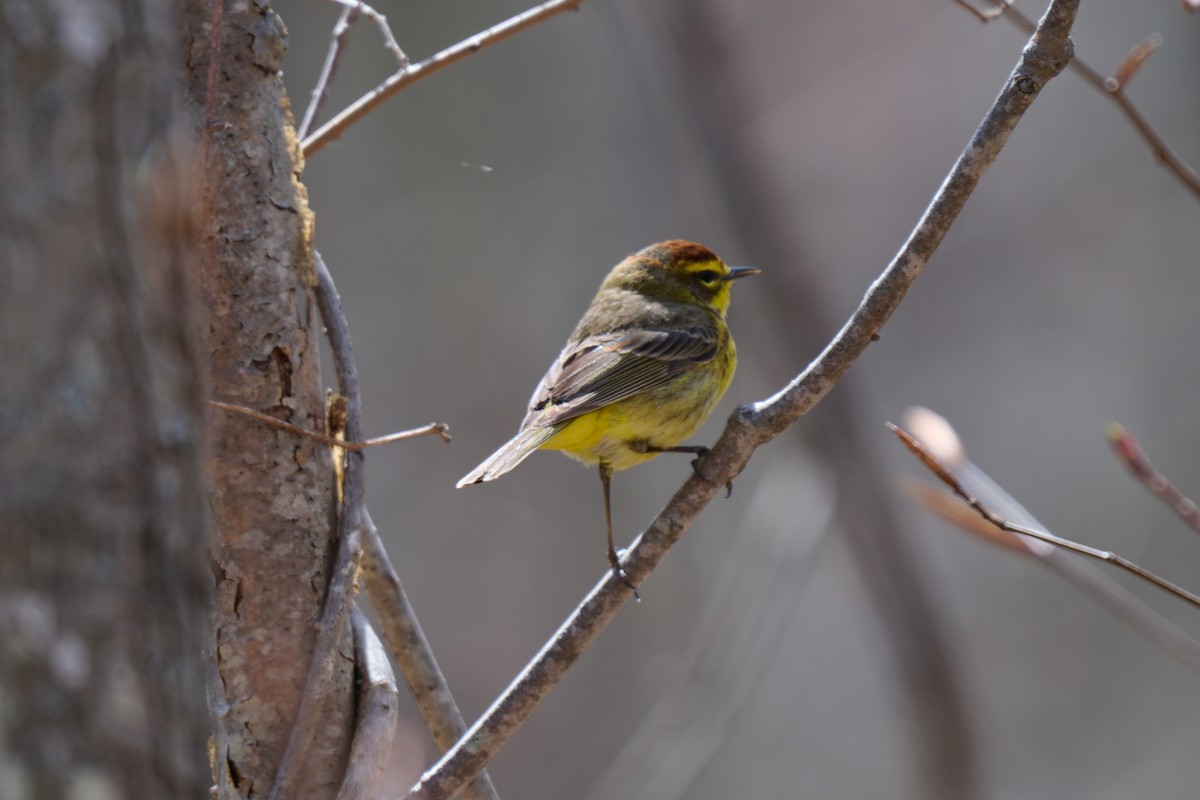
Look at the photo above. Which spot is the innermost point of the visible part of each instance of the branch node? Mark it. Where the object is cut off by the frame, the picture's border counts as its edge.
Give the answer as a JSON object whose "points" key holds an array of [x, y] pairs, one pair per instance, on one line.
{"points": [[411, 72], [1026, 85]]}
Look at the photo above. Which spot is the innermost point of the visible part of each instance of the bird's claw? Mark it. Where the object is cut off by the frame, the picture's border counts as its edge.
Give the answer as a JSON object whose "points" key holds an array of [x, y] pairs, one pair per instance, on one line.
{"points": [[620, 574], [700, 456]]}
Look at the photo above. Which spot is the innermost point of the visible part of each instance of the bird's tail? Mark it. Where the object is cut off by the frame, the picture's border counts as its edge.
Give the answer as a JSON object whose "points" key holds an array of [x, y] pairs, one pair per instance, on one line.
{"points": [[512, 453]]}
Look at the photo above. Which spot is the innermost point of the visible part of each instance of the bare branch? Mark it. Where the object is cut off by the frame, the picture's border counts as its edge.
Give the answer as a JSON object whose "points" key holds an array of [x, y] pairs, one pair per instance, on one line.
{"points": [[945, 752], [1130, 453], [1048, 52], [338, 601], [939, 438], [1113, 88], [414, 656], [1158, 146], [984, 14], [385, 30], [337, 41], [947, 477], [378, 708], [439, 429], [422, 69]]}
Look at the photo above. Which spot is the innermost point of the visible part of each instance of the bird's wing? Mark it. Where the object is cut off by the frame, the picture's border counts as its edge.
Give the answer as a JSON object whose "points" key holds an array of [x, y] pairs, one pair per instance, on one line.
{"points": [[610, 367]]}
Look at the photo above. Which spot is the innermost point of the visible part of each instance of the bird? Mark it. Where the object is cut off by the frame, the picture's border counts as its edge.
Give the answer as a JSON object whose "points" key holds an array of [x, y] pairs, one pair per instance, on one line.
{"points": [[646, 365]]}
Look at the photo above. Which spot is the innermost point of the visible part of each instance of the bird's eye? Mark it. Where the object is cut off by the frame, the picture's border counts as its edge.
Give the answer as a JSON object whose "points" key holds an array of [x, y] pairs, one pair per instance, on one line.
{"points": [[708, 276]]}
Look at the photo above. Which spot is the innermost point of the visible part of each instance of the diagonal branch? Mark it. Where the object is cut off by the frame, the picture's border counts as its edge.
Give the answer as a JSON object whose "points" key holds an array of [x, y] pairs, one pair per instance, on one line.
{"points": [[414, 656], [947, 477], [337, 43], [1048, 52], [937, 436], [1113, 88], [412, 73], [1130, 453]]}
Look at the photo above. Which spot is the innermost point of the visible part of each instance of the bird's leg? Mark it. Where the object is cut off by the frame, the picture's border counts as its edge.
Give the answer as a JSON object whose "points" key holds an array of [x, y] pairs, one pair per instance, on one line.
{"points": [[606, 473], [699, 451]]}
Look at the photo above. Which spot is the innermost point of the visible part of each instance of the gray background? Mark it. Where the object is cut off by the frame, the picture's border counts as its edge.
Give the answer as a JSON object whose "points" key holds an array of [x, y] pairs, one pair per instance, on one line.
{"points": [[1064, 297]]}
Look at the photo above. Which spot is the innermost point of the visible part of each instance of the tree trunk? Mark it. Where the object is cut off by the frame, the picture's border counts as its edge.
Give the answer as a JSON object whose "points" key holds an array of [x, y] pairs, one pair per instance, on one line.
{"points": [[103, 580], [272, 492]]}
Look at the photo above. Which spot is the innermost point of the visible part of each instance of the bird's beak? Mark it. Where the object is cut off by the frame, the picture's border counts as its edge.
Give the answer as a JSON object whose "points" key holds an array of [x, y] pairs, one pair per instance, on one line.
{"points": [[741, 272]]}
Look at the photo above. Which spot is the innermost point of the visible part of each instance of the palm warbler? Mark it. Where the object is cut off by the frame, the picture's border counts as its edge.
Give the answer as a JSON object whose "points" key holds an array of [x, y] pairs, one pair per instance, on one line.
{"points": [[644, 368]]}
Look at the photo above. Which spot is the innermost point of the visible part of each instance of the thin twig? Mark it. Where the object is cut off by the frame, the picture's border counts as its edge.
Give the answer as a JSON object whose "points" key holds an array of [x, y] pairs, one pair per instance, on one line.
{"points": [[1133, 61], [940, 439], [749, 427], [337, 42], [385, 30], [1112, 88], [1107, 592], [984, 14], [413, 655], [339, 600], [1130, 453], [378, 706], [1159, 148], [439, 429], [947, 477], [421, 69]]}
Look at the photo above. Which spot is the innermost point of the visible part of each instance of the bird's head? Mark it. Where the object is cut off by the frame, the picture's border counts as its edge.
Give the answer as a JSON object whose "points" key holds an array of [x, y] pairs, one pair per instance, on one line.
{"points": [[680, 271]]}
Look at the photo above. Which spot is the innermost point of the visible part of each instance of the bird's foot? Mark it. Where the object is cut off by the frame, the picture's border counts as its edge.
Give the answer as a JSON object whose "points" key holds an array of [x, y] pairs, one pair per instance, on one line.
{"points": [[701, 454], [620, 574]]}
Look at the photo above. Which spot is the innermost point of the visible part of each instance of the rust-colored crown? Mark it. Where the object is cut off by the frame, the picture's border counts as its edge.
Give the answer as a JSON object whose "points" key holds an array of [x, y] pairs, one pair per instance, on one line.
{"points": [[678, 253]]}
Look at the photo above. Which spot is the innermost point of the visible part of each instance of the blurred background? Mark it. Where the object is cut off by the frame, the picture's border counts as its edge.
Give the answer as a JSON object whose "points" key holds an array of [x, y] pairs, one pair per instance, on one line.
{"points": [[815, 635]]}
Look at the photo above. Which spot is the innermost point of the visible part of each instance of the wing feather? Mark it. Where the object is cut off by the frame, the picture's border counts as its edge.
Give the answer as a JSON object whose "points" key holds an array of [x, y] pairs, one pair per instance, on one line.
{"points": [[610, 367]]}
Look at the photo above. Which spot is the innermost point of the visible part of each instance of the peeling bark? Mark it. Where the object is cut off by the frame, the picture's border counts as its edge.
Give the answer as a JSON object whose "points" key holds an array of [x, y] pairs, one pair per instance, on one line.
{"points": [[272, 493]]}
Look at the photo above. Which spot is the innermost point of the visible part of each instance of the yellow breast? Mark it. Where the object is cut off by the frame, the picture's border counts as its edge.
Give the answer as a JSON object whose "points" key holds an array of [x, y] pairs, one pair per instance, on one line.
{"points": [[665, 416]]}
